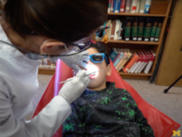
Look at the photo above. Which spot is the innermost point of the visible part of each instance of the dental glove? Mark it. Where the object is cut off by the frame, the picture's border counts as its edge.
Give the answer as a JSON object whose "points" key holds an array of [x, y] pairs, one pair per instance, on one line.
{"points": [[75, 61], [72, 89]]}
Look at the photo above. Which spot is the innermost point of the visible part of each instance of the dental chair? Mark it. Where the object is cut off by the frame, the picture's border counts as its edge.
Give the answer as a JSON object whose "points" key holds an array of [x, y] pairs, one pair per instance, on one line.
{"points": [[161, 124]]}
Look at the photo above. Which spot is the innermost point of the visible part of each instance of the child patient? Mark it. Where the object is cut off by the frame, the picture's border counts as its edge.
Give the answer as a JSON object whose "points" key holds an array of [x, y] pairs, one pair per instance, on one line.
{"points": [[104, 110]]}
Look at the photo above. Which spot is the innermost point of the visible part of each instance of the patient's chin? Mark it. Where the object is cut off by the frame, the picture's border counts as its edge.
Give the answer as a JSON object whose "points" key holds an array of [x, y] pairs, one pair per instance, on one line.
{"points": [[91, 88], [93, 84]]}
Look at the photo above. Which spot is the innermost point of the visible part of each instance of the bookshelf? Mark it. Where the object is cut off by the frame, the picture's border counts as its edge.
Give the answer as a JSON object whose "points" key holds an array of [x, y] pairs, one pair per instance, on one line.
{"points": [[47, 71], [135, 76], [133, 42], [134, 45], [137, 14], [140, 45]]}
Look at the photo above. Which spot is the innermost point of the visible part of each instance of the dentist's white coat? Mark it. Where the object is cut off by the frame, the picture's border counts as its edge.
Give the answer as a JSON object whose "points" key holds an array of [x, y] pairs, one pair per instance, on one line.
{"points": [[18, 84]]}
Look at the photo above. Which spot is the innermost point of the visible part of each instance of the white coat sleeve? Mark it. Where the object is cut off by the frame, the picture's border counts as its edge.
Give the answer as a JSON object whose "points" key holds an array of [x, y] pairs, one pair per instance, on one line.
{"points": [[45, 124]]}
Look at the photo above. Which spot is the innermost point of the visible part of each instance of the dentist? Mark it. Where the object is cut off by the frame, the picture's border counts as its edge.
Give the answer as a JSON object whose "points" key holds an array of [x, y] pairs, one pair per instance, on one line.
{"points": [[33, 29]]}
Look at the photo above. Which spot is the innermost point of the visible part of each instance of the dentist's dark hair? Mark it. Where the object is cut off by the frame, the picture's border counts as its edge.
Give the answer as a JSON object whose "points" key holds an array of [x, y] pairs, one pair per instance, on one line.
{"points": [[64, 20]]}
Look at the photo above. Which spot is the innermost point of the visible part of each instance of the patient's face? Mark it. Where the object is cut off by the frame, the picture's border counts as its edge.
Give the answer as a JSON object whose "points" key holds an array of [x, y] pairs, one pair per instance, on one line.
{"points": [[98, 80]]}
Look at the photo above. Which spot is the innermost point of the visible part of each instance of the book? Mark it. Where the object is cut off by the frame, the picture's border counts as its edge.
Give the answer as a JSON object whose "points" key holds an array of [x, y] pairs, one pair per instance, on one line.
{"points": [[128, 6], [130, 53], [140, 28], [46, 63], [154, 26], [112, 5], [144, 63], [119, 58], [140, 63], [158, 29], [142, 6], [120, 31], [148, 28], [116, 51], [116, 33], [131, 63], [121, 61], [113, 54], [128, 56], [134, 6], [104, 31], [147, 53], [149, 65], [122, 7], [133, 67], [117, 4], [41, 63], [119, 66], [118, 54], [108, 31], [137, 63], [147, 6], [113, 29], [138, 6], [109, 6], [134, 28], [127, 28]]}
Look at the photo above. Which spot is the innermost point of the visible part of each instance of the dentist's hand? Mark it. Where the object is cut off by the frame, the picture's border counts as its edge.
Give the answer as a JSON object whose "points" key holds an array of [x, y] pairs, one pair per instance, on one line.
{"points": [[72, 89]]}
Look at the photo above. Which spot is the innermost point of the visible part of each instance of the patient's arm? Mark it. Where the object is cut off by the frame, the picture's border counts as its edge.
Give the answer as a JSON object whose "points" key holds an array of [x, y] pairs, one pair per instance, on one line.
{"points": [[135, 114], [146, 130], [74, 124]]}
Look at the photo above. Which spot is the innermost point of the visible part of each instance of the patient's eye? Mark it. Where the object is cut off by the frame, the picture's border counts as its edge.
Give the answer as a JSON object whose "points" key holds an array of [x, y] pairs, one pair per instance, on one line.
{"points": [[97, 57]]}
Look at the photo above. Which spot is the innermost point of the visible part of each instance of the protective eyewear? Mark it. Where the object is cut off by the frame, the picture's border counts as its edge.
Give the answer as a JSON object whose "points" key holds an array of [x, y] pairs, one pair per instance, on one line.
{"points": [[80, 46], [85, 45], [98, 58]]}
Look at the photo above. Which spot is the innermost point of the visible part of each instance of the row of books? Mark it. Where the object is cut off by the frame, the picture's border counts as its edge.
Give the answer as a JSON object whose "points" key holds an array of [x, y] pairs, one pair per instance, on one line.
{"points": [[129, 6], [132, 62], [134, 28], [46, 63], [123, 59]]}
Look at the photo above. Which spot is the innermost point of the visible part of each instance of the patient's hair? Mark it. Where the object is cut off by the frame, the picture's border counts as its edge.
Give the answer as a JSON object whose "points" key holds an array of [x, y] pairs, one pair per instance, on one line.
{"points": [[64, 20], [102, 49]]}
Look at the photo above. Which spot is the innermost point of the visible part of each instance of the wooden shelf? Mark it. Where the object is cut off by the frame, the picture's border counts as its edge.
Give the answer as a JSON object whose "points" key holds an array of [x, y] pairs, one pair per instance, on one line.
{"points": [[135, 76], [137, 14], [133, 42], [47, 71]]}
